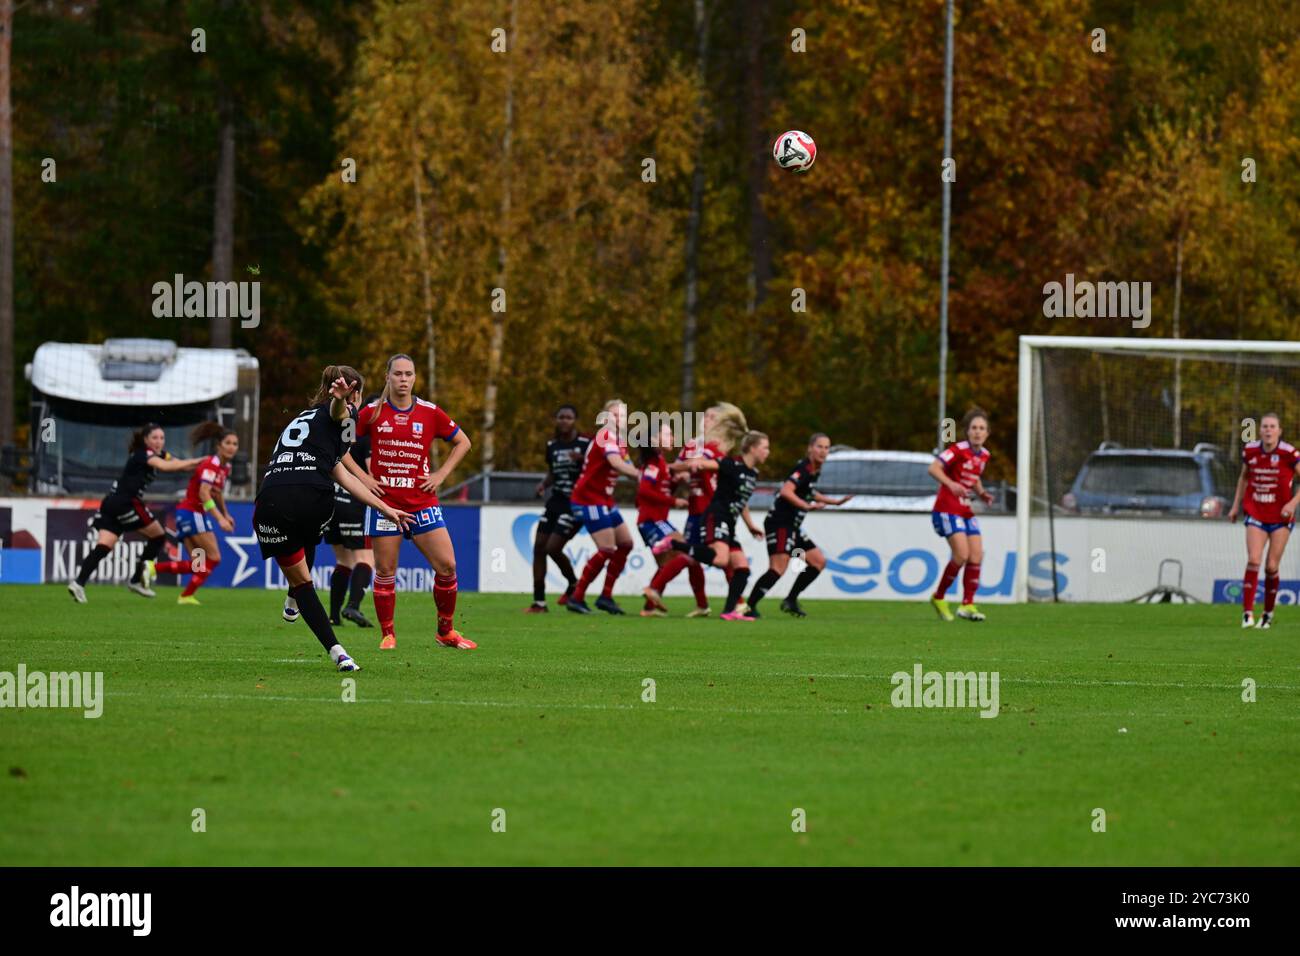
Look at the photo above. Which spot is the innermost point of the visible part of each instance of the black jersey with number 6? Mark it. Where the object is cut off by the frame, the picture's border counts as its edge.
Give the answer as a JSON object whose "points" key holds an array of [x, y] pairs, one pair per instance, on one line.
{"points": [[309, 448]]}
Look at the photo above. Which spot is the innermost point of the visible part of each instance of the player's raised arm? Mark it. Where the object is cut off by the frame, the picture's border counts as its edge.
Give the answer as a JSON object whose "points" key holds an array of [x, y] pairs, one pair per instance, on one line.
{"points": [[159, 463]]}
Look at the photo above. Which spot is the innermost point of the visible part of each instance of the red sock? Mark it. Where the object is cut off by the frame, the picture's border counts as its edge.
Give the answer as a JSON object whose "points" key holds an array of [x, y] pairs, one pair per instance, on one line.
{"points": [[697, 584], [945, 581], [669, 570], [173, 567], [969, 582], [615, 568], [590, 570], [1248, 585], [385, 592], [444, 596], [1271, 582], [199, 577]]}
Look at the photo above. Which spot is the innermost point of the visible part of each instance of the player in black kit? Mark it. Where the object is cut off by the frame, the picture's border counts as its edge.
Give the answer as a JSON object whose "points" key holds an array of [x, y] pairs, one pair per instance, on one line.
{"points": [[123, 509], [354, 561], [730, 504], [797, 497], [296, 500], [565, 454]]}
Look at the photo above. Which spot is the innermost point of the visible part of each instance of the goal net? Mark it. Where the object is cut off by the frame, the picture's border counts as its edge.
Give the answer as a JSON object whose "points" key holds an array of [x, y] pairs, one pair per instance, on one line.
{"points": [[1128, 456]]}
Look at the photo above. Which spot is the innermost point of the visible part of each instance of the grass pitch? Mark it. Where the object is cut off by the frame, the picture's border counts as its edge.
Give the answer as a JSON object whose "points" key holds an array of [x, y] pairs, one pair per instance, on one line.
{"points": [[225, 707]]}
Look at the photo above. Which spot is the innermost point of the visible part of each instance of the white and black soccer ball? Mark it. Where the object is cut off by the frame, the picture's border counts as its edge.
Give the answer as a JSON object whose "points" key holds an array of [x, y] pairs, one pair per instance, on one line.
{"points": [[794, 149]]}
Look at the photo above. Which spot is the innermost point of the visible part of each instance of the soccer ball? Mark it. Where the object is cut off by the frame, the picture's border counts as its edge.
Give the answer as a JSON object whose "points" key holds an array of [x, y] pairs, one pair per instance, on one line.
{"points": [[795, 150]]}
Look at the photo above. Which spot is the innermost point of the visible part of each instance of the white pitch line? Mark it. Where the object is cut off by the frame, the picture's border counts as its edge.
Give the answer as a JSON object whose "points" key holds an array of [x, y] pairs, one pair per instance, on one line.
{"points": [[515, 705], [792, 675]]}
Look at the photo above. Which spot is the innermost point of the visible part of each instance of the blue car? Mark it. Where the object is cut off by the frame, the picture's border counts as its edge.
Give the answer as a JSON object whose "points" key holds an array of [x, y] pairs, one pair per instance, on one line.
{"points": [[1168, 481]]}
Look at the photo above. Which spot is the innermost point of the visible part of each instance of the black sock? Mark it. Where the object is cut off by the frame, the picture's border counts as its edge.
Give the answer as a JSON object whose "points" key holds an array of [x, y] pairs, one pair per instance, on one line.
{"points": [[151, 549], [762, 586], [338, 588], [565, 565], [808, 576], [539, 577], [739, 578], [313, 612], [360, 581], [700, 552], [91, 561]]}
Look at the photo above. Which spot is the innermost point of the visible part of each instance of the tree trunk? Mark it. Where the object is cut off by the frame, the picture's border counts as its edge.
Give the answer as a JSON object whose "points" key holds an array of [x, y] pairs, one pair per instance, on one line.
{"points": [[758, 147], [7, 356], [422, 248], [690, 322], [496, 342], [223, 220]]}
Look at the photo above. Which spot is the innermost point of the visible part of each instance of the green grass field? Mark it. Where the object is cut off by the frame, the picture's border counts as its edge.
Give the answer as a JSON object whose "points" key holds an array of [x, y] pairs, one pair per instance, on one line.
{"points": [[229, 709]]}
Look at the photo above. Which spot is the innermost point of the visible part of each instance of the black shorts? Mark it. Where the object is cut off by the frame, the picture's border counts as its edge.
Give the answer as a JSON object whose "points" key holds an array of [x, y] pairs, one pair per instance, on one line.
{"points": [[557, 519], [120, 514], [783, 539], [717, 527], [347, 527], [290, 518]]}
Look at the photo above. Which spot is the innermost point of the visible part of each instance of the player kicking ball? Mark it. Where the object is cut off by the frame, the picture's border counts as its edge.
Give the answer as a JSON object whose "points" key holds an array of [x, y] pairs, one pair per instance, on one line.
{"points": [[296, 501]]}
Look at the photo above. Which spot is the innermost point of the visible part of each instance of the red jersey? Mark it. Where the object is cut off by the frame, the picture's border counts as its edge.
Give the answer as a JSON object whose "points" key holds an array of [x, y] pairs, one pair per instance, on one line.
{"points": [[1268, 480], [964, 465], [595, 486], [211, 472], [702, 483], [399, 448], [654, 493]]}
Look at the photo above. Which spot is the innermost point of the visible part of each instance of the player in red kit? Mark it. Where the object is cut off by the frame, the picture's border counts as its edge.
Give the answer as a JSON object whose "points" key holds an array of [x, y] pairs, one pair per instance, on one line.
{"points": [[401, 428], [203, 508], [592, 507], [957, 469], [1268, 471], [654, 498], [721, 426]]}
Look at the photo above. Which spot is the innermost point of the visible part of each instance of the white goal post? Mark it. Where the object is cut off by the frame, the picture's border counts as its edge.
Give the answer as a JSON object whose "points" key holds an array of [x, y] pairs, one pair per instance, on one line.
{"points": [[1181, 353]]}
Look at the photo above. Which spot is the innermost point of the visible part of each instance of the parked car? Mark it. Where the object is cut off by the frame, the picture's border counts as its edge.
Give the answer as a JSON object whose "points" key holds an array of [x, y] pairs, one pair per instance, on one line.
{"points": [[876, 480], [1169, 481]]}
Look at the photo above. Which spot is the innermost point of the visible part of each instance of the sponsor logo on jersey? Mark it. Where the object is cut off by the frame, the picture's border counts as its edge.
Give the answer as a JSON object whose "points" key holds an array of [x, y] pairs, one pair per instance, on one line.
{"points": [[396, 482], [285, 458], [306, 456], [401, 419], [384, 427]]}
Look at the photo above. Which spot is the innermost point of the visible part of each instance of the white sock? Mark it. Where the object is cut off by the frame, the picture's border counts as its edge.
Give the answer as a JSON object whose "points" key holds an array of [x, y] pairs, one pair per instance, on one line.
{"points": [[291, 604], [336, 652]]}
